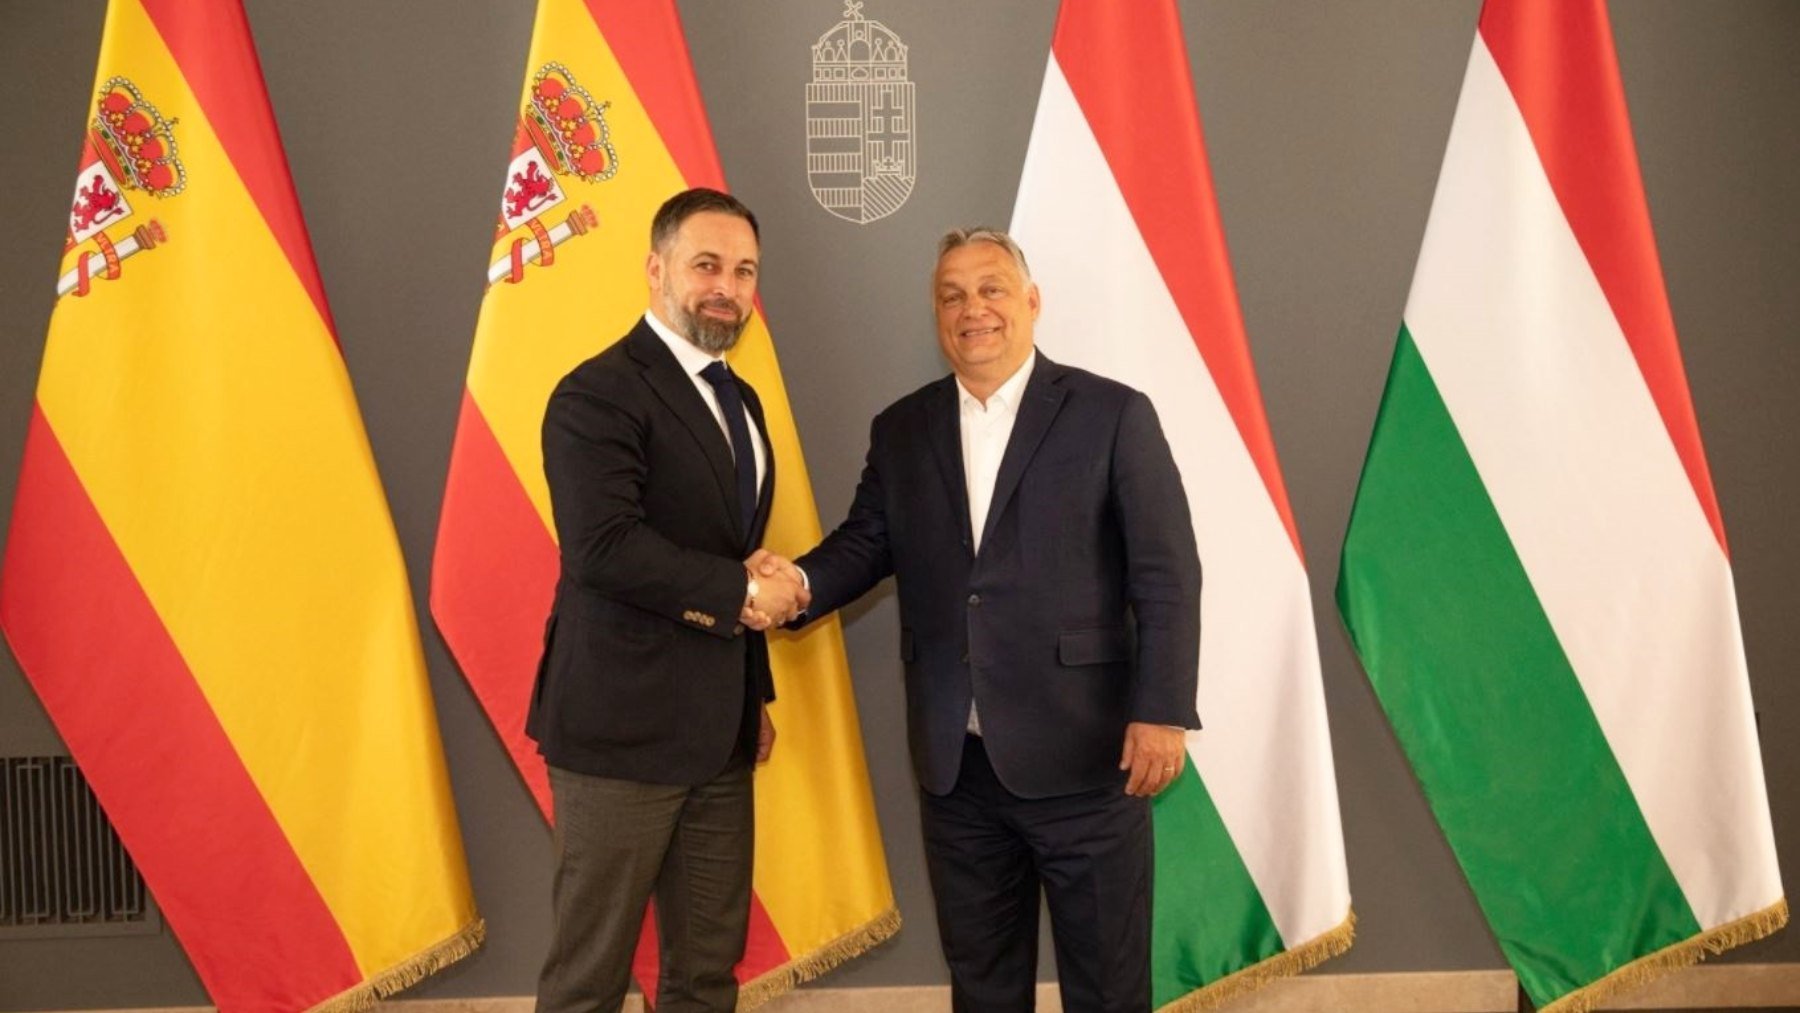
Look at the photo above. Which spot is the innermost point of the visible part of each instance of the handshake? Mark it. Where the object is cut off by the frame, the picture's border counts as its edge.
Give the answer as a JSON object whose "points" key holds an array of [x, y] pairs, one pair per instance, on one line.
{"points": [[775, 591]]}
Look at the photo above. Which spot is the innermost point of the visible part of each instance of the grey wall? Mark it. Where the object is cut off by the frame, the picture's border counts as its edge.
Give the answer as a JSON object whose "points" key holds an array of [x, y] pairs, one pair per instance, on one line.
{"points": [[1326, 124]]}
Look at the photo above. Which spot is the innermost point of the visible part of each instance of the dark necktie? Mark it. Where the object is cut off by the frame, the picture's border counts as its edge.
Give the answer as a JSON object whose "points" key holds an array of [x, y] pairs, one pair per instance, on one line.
{"points": [[731, 403]]}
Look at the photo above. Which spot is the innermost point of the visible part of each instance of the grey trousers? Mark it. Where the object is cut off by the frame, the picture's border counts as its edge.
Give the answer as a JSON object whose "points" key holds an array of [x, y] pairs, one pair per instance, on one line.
{"points": [[617, 843]]}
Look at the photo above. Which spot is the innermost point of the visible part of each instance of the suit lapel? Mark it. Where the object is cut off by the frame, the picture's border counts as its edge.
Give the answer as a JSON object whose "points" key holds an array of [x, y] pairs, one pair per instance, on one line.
{"points": [[676, 391], [943, 427], [1037, 409], [765, 494]]}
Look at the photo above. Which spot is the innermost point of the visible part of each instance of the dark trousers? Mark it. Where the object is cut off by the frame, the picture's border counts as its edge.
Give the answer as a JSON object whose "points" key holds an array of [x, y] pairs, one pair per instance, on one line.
{"points": [[617, 842], [989, 852]]}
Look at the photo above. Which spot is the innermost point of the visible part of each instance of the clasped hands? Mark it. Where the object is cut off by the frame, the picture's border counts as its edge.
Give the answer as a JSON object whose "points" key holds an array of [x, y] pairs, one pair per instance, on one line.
{"points": [[781, 592]]}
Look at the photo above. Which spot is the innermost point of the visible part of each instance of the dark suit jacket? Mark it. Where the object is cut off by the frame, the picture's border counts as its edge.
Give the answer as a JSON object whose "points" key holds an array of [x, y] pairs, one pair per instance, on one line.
{"points": [[1081, 613], [646, 674]]}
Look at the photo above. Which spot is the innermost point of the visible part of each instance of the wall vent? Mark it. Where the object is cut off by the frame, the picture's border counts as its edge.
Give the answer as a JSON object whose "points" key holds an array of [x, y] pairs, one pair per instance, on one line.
{"points": [[63, 871]]}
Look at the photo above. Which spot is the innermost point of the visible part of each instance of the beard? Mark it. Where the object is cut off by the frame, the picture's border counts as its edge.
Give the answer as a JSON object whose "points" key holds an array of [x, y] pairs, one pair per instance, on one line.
{"points": [[710, 334]]}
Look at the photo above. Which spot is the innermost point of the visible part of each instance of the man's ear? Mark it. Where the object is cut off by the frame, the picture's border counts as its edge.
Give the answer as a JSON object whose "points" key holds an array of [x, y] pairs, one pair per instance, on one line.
{"points": [[653, 271], [1034, 300]]}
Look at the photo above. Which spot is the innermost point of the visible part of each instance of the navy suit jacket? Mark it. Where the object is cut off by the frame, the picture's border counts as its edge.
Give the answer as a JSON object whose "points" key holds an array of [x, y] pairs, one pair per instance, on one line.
{"points": [[646, 674], [1080, 614]]}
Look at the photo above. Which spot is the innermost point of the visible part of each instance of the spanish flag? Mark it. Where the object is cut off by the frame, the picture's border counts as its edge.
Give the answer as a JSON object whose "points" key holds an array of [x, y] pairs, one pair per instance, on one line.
{"points": [[611, 125], [202, 580]]}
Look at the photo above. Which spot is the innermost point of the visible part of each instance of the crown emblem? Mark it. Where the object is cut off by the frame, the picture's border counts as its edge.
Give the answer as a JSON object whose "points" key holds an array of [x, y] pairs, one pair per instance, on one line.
{"points": [[562, 132], [130, 146], [568, 126], [861, 149], [135, 141], [858, 49]]}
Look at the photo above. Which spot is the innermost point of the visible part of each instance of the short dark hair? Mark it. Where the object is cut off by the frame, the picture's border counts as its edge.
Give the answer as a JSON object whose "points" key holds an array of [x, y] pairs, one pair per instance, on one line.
{"points": [[688, 203]]}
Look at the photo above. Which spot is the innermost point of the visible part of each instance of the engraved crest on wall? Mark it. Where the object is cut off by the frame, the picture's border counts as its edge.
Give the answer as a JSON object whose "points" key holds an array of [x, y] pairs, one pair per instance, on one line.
{"points": [[861, 155]]}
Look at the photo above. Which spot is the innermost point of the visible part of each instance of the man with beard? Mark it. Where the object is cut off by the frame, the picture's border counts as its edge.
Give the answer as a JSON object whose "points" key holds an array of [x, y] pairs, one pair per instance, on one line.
{"points": [[649, 701]]}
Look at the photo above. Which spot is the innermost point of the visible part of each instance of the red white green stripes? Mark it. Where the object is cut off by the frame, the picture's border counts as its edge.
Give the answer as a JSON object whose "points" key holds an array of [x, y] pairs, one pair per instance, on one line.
{"points": [[1116, 213], [1535, 574]]}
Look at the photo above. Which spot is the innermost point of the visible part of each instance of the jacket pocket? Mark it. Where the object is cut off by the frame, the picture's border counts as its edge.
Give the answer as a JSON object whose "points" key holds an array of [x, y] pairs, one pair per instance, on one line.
{"points": [[1091, 647]]}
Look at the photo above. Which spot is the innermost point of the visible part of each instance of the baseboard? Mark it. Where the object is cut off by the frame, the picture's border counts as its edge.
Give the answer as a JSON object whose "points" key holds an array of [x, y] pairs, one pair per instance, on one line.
{"points": [[1716, 986]]}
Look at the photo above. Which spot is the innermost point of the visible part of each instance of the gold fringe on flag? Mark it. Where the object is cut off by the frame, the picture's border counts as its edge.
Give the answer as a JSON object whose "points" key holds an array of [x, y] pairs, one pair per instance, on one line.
{"points": [[1670, 959], [1285, 964], [856, 942], [408, 972]]}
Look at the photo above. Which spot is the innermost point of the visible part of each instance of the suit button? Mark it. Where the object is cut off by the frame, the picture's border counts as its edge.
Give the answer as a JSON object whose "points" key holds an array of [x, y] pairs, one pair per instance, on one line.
{"points": [[965, 657], [974, 599]]}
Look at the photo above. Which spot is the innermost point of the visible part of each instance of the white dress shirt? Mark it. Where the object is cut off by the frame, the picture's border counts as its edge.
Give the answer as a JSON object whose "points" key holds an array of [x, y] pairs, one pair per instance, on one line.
{"points": [[986, 429], [693, 360]]}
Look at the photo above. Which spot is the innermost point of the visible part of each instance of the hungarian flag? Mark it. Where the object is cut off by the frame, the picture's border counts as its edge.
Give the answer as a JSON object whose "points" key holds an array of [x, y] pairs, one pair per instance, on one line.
{"points": [[202, 581], [611, 125], [1536, 574], [1116, 212]]}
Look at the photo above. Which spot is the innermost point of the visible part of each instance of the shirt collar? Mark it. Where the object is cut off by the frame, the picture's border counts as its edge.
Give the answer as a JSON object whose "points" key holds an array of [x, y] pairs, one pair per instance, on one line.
{"points": [[1007, 394], [692, 359]]}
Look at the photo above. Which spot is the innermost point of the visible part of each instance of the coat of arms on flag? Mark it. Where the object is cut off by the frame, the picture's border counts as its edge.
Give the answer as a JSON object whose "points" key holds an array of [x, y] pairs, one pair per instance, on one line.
{"points": [[562, 132], [201, 580], [129, 145]]}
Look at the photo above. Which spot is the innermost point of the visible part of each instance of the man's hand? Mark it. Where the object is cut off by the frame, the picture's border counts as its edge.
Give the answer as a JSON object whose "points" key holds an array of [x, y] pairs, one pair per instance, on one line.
{"points": [[781, 592], [763, 563], [765, 737], [1154, 754]]}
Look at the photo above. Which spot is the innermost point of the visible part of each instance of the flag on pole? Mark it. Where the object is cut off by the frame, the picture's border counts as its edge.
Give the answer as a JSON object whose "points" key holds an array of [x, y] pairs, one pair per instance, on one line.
{"points": [[611, 124], [202, 581], [1117, 213], [1536, 574]]}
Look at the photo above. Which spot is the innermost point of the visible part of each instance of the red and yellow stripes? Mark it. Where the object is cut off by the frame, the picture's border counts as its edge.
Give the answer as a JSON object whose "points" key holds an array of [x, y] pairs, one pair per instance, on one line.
{"points": [[824, 893], [203, 581], [119, 692], [492, 578], [211, 43]]}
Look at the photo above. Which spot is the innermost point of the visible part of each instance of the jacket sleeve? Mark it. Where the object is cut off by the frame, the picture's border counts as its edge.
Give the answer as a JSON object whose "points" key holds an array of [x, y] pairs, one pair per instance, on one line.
{"points": [[1162, 579], [855, 556], [595, 463]]}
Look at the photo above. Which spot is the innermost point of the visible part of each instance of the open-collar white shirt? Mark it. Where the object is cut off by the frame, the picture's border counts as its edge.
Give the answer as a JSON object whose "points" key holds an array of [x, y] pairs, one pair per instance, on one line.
{"points": [[986, 429]]}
